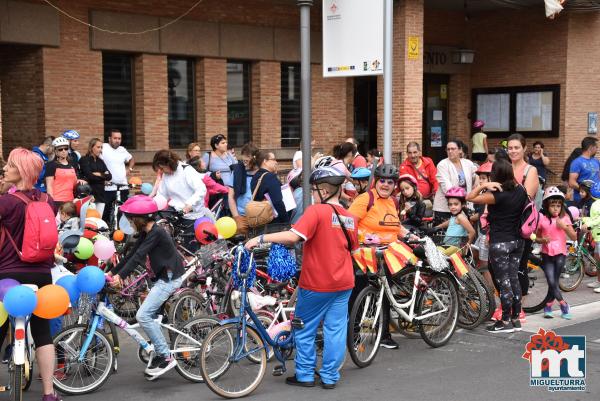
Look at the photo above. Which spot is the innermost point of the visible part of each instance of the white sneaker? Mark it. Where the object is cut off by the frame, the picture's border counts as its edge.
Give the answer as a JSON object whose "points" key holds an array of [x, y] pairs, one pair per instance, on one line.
{"points": [[593, 284], [597, 290]]}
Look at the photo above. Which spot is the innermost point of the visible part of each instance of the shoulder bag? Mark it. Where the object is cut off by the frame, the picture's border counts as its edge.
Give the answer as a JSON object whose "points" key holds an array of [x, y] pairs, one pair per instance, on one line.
{"points": [[258, 213]]}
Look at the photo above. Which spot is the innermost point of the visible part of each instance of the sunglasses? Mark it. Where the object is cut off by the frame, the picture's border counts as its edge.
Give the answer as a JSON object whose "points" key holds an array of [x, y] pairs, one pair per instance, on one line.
{"points": [[61, 149], [387, 181]]}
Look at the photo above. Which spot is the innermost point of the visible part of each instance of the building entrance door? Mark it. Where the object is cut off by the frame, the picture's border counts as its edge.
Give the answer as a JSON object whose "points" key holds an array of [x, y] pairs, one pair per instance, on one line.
{"points": [[365, 113], [435, 115]]}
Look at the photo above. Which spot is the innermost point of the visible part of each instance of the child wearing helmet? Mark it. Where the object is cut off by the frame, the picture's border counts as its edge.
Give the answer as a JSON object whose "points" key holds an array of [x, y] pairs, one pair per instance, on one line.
{"points": [[411, 205], [554, 227], [360, 178], [586, 200], [458, 227], [480, 146], [167, 265], [593, 224], [325, 283]]}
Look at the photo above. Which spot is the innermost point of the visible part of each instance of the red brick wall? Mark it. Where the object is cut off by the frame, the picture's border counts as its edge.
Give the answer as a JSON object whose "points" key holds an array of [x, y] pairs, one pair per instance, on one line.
{"points": [[266, 104], [211, 99]]}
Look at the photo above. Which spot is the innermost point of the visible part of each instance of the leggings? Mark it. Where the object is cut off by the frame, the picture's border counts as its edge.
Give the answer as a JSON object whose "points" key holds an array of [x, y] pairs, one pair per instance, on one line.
{"points": [[553, 266], [523, 275], [505, 258]]}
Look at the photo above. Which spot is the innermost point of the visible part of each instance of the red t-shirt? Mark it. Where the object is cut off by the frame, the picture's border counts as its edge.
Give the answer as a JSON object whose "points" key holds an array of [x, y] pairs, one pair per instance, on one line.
{"points": [[326, 263], [359, 161]]}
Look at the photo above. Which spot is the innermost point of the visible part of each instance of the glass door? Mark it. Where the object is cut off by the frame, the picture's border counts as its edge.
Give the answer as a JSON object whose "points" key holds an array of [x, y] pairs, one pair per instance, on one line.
{"points": [[435, 115], [365, 113]]}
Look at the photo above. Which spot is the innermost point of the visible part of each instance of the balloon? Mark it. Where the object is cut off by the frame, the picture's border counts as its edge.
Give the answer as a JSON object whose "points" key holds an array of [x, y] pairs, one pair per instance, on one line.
{"points": [[161, 202], [85, 249], [100, 237], [20, 301], [90, 280], [3, 314], [69, 283], [125, 225], [147, 188], [574, 212], [206, 233], [5, 285], [201, 220], [118, 235], [53, 301], [135, 181], [104, 249], [226, 227], [92, 213]]}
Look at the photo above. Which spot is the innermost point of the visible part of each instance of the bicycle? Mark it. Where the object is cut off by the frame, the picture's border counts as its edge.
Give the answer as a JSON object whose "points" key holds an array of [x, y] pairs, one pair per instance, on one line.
{"points": [[432, 304], [234, 354], [580, 261], [113, 220]]}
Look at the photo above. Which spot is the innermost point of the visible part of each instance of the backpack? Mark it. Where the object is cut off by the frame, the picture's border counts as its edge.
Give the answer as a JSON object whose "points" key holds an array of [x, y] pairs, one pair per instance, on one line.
{"points": [[372, 201], [40, 235], [530, 218]]}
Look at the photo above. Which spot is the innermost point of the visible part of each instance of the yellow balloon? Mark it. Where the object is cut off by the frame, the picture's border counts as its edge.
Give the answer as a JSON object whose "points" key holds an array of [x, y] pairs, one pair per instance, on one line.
{"points": [[226, 227], [3, 314]]}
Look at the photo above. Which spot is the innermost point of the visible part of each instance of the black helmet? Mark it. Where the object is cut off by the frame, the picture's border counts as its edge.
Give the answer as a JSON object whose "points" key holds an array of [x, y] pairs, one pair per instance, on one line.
{"points": [[586, 184], [82, 190], [327, 175], [387, 171]]}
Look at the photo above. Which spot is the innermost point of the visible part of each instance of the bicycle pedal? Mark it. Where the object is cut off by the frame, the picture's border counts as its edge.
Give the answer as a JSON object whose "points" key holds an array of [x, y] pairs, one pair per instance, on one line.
{"points": [[279, 370], [297, 323]]}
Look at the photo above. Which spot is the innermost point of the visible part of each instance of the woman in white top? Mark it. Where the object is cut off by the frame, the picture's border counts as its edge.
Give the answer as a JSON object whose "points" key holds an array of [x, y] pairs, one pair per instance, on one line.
{"points": [[452, 172], [480, 146]]}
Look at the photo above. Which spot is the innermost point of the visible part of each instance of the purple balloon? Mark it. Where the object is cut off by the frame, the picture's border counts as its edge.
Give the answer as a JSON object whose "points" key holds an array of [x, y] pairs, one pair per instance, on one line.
{"points": [[201, 220], [5, 285]]}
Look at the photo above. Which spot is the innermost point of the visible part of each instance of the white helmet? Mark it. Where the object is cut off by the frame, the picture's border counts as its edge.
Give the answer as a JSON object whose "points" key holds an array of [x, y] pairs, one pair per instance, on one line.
{"points": [[60, 141], [324, 161], [553, 192]]}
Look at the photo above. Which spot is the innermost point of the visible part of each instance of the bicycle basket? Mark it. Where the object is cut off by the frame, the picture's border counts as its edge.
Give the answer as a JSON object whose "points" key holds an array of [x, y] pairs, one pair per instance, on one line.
{"points": [[207, 253], [437, 261]]}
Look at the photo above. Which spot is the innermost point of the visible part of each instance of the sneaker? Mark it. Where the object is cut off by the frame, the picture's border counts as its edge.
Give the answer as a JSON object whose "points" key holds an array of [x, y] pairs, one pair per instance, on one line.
{"points": [[160, 365], [497, 314], [51, 397], [292, 381], [388, 343], [566, 311], [548, 311], [7, 354], [597, 290], [516, 324], [522, 316], [593, 284], [500, 327]]}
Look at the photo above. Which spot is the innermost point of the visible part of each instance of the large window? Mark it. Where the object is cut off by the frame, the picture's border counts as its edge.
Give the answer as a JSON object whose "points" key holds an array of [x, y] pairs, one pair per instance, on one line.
{"points": [[238, 103], [181, 102], [529, 110], [290, 105], [117, 91]]}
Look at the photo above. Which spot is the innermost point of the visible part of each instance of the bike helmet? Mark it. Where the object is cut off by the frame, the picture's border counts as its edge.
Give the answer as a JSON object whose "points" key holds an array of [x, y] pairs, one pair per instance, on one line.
{"points": [[71, 134], [595, 190], [387, 171], [456, 192], [60, 141], [553, 192], [139, 205], [478, 124], [361, 173], [586, 184], [485, 168], [82, 190], [327, 175], [324, 161], [409, 178]]}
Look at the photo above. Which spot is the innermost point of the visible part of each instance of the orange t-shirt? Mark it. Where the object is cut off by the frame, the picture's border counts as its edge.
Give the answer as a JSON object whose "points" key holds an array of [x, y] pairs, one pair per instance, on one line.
{"points": [[382, 219]]}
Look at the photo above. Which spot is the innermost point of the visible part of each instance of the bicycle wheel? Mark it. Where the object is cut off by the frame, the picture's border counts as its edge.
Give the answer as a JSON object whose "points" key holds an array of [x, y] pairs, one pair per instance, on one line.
{"points": [[16, 382], [364, 332], [89, 374], [226, 368], [538, 289], [436, 330], [490, 293], [572, 273], [472, 301], [187, 351], [401, 286], [28, 369], [185, 306], [590, 266]]}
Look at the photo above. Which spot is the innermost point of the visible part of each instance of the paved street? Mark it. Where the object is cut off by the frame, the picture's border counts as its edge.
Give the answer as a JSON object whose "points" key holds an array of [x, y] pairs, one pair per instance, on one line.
{"points": [[474, 366]]}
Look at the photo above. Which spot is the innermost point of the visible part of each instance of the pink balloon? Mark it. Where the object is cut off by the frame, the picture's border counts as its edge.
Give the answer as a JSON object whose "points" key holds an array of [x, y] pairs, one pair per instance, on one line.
{"points": [[161, 202], [574, 212], [104, 249]]}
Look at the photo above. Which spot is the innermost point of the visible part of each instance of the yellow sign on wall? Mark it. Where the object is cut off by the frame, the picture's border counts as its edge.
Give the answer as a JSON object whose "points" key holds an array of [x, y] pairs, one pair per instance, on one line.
{"points": [[413, 47]]}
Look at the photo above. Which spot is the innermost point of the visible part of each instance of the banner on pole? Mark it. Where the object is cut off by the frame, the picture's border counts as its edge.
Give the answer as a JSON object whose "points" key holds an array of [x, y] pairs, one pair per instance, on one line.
{"points": [[352, 38]]}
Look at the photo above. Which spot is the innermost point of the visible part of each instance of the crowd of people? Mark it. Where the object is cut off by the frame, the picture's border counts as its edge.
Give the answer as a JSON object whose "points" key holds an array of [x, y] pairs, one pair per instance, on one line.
{"points": [[357, 200]]}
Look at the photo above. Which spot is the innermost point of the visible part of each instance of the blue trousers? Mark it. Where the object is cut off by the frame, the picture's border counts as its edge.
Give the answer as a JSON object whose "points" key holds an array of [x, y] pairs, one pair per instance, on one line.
{"points": [[331, 308]]}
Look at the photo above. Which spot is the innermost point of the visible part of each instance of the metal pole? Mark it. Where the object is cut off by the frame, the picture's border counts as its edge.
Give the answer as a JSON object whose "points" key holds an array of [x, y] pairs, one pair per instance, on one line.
{"points": [[387, 80], [305, 98]]}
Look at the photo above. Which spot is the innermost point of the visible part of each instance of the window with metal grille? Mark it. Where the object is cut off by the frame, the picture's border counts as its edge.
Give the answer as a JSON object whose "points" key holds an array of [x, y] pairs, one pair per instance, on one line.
{"points": [[238, 103], [290, 105], [117, 88], [181, 102]]}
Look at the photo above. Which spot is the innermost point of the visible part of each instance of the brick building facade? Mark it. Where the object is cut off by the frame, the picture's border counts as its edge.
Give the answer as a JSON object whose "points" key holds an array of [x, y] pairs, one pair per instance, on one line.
{"points": [[51, 70]]}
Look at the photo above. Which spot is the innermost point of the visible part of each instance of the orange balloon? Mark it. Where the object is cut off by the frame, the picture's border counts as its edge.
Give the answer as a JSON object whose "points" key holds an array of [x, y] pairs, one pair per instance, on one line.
{"points": [[53, 301], [92, 213], [118, 235], [135, 181]]}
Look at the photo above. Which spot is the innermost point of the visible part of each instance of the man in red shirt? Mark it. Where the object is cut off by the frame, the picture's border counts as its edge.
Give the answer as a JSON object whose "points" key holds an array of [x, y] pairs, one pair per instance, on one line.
{"points": [[325, 282], [359, 160], [422, 168]]}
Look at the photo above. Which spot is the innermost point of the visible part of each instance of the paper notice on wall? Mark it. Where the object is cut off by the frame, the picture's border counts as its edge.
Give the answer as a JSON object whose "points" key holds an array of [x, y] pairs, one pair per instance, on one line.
{"points": [[546, 117], [288, 197], [494, 110], [436, 137], [437, 115]]}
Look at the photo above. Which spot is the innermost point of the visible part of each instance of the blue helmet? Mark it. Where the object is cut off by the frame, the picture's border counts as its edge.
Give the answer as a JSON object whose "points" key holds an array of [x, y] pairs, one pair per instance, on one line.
{"points": [[595, 190], [71, 134], [361, 173]]}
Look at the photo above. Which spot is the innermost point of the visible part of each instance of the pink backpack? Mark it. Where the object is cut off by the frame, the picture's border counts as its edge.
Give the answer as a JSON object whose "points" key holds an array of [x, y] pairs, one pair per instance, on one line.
{"points": [[40, 234], [529, 219]]}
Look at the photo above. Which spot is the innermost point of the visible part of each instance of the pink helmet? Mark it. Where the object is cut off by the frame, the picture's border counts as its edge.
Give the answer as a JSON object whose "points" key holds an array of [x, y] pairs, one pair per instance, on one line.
{"points": [[408, 177], [478, 124], [139, 205], [456, 192], [485, 168]]}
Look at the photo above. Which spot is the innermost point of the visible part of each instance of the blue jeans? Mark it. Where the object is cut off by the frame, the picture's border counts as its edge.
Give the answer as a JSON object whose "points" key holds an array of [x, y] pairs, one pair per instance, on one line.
{"points": [[160, 292], [331, 308]]}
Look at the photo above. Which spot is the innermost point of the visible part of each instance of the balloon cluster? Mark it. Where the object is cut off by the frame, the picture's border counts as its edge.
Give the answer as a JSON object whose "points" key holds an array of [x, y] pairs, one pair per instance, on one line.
{"points": [[207, 232], [50, 301]]}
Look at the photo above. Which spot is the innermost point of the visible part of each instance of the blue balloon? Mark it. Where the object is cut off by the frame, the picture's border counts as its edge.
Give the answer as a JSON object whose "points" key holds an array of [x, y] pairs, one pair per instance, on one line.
{"points": [[147, 188], [90, 280], [69, 283], [20, 301]]}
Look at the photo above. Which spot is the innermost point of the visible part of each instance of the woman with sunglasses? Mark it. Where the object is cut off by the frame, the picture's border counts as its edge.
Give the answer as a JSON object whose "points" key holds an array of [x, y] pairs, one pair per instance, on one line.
{"points": [[220, 161], [61, 174]]}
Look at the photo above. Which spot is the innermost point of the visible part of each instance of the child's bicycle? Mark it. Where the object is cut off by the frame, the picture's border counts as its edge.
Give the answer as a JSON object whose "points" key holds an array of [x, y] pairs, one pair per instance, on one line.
{"points": [[580, 261], [234, 354]]}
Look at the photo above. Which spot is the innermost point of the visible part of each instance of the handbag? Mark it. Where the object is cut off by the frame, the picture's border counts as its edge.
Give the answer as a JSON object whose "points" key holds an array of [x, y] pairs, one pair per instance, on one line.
{"points": [[258, 213]]}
